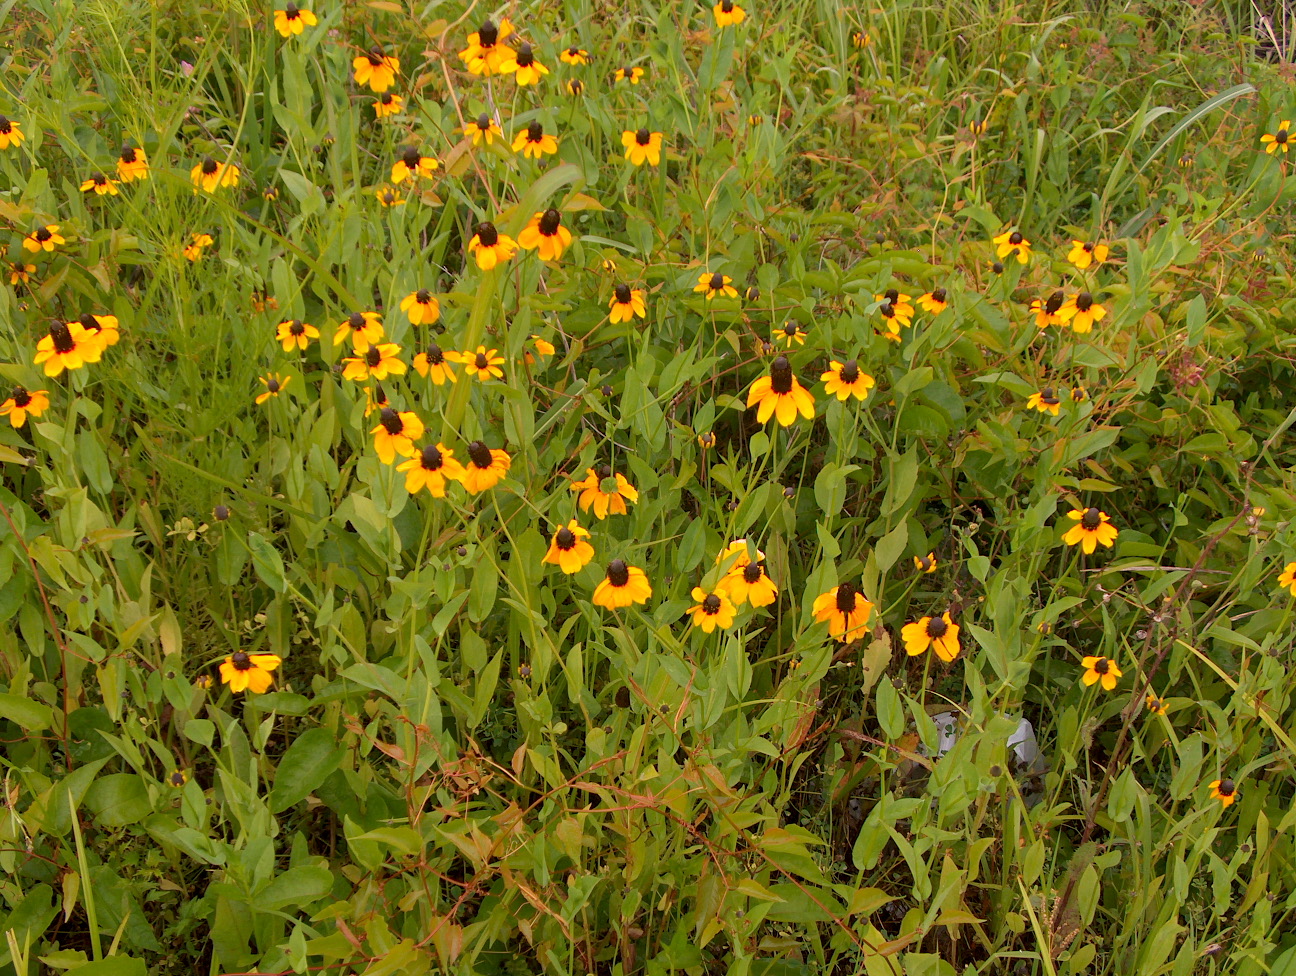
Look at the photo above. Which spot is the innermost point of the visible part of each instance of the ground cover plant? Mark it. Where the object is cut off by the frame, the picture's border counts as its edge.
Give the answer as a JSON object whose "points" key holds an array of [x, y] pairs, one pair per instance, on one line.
{"points": [[755, 488]]}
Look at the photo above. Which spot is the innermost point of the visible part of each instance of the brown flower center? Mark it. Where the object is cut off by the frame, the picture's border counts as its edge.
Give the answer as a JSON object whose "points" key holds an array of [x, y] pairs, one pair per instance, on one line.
{"points": [[1054, 302], [936, 627], [487, 235], [1084, 301], [549, 222], [481, 362], [98, 179], [1049, 397], [411, 156], [711, 605], [524, 56], [565, 539], [781, 376], [1226, 787], [849, 372], [20, 397], [487, 34], [431, 459], [272, 384], [480, 455], [5, 125], [62, 337], [535, 132], [1016, 237], [618, 573], [887, 310], [1280, 136], [375, 56], [938, 294], [892, 295], [372, 357], [1091, 519], [44, 234], [622, 293], [391, 421], [434, 355], [241, 661], [423, 296], [643, 136], [208, 165], [295, 327], [752, 573], [717, 282], [88, 321], [846, 598], [290, 10], [1102, 666]]}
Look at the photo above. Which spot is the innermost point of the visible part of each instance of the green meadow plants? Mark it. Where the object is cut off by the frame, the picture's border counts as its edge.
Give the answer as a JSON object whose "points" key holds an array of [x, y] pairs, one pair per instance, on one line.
{"points": [[682, 487]]}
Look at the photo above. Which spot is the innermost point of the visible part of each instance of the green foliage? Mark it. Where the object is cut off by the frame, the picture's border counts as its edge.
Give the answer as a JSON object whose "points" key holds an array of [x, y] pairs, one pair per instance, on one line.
{"points": [[462, 762]]}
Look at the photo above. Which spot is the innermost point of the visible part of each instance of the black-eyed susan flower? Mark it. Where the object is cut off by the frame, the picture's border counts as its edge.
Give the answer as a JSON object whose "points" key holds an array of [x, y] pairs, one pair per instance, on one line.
{"points": [[901, 303], [376, 69], [209, 175], [574, 55], [622, 586], [752, 294], [737, 555], [1224, 790], [935, 301], [1098, 669], [845, 611], [642, 146], [605, 492], [485, 467], [714, 283], [249, 672], [387, 104], [435, 364], [431, 468], [711, 610], [1045, 401], [727, 13], [66, 346], [546, 232], [1287, 578], [1083, 254], [20, 272], [294, 333], [575, 87], [532, 142], [375, 399], [568, 549], [1010, 243], [626, 303], [1280, 139], [1046, 310], [632, 75], [483, 128], [293, 20], [177, 778], [748, 584], [422, 307], [779, 395], [100, 184], [23, 403], [193, 251], [893, 316], [274, 385], [938, 633], [925, 564], [523, 66], [707, 440], [977, 127], [45, 238], [1155, 704], [396, 433], [1092, 528], [844, 380], [101, 331], [412, 164], [486, 52], [483, 365], [364, 328], [389, 196], [376, 361], [543, 349], [861, 39], [790, 334], [490, 247], [10, 134], [1081, 312]]}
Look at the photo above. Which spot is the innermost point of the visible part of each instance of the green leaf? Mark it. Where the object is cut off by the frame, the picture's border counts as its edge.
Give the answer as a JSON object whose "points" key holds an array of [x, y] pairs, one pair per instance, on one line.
{"points": [[305, 765], [267, 562], [296, 887], [113, 966], [118, 800], [25, 713]]}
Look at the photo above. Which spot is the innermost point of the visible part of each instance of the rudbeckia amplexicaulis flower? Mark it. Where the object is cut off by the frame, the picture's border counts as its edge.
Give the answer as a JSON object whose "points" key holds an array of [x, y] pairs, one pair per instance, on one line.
{"points": [[713, 284], [626, 303], [1086, 253], [1155, 704], [413, 164], [99, 184], [925, 564], [209, 175], [901, 303], [711, 610], [642, 146], [43, 239], [748, 584], [193, 251], [177, 778], [790, 334], [1011, 242], [101, 331], [293, 20], [388, 103], [1224, 790], [375, 399], [24, 403], [568, 549], [1100, 669], [1045, 401], [1279, 140], [1092, 528], [845, 611], [574, 55], [632, 75], [483, 127], [375, 69], [10, 134], [490, 247], [66, 347], [295, 333], [274, 385], [249, 672], [396, 433], [543, 348], [433, 363], [422, 307], [727, 12], [939, 633], [575, 87], [20, 272], [485, 53], [523, 66], [622, 586], [605, 492], [546, 233], [780, 395], [389, 196], [377, 361], [1081, 312], [935, 301], [365, 328], [532, 142], [1046, 310], [844, 380], [1287, 578], [485, 467], [431, 468], [483, 365]]}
